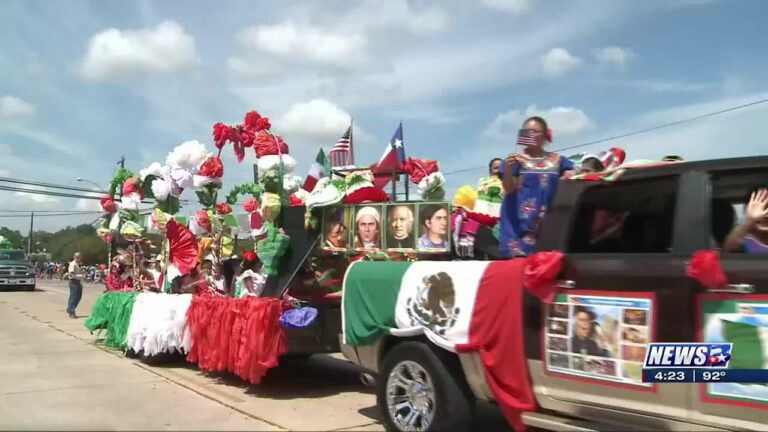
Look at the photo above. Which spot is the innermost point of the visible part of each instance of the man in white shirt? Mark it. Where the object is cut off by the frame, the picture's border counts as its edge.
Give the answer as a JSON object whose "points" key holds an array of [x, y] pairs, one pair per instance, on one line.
{"points": [[75, 284]]}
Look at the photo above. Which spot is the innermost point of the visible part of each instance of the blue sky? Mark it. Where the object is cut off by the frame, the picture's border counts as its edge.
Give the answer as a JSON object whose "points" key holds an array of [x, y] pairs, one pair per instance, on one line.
{"points": [[83, 82]]}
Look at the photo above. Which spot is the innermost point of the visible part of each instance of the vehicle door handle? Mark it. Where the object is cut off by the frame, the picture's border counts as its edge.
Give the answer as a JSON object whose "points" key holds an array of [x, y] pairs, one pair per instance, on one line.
{"points": [[566, 284], [735, 289]]}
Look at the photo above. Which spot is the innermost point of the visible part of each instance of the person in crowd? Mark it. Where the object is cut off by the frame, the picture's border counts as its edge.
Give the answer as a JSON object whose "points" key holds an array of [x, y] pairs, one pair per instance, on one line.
{"points": [[494, 166], [76, 275], [251, 280], [434, 219], [217, 281], [751, 236], [672, 158], [195, 282], [368, 234], [400, 234], [207, 267], [530, 182], [590, 164]]}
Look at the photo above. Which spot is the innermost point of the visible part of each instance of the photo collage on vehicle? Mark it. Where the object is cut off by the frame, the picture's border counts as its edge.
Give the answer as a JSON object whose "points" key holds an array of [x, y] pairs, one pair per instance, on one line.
{"points": [[422, 227], [598, 337]]}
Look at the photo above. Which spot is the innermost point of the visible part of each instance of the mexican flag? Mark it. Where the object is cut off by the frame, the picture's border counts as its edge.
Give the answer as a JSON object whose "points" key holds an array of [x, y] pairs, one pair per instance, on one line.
{"points": [[320, 168], [460, 306], [750, 344]]}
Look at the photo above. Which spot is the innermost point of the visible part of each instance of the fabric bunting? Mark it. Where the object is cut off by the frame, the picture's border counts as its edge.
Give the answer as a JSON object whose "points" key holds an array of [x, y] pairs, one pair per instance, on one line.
{"points": [[112, 312]]}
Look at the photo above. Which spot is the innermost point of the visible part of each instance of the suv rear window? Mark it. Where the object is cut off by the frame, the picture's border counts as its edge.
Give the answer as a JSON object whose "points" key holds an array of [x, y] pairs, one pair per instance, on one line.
{"points": [[12, 256], [626, 217]]}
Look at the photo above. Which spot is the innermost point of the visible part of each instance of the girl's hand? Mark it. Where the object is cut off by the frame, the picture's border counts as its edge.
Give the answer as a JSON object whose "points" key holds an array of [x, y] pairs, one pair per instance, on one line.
{"points": [[757, 209], [511, 160]]}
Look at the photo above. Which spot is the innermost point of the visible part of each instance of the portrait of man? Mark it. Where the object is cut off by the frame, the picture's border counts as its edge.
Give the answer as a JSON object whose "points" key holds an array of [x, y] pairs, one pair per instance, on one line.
{"points": [[368, 228], [433, 219], [585, 332], [400, 227], [335, 230]]}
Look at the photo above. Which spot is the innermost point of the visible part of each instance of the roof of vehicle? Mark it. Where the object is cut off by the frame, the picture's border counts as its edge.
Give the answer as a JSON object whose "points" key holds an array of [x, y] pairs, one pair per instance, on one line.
{"points": [[672, 168]]}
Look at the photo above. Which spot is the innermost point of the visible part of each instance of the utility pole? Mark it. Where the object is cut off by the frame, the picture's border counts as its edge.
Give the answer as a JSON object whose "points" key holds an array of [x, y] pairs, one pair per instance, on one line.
{"points": [[122, 162], [31, 228]]}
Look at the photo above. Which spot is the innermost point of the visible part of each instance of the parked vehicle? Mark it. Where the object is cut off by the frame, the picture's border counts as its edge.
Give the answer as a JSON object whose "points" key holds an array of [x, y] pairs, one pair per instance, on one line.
{"points": [[16, 271], [626, 245]]}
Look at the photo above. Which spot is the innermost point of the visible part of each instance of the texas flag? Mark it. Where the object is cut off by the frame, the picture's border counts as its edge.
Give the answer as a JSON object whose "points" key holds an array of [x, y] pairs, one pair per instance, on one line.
{"points": [[394, 157]]}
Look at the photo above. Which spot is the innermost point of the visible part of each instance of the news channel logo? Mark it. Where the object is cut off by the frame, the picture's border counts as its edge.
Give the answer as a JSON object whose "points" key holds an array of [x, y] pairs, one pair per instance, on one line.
{"points": [[687, 355]]}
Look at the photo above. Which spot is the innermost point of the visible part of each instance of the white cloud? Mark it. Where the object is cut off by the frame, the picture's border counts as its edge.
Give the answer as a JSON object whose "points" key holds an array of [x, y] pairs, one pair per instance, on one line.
{"points": [[672, 86], [36, 198], [317, 118], [613, 56], [13, 108], [303, 42], [83, 204], [558, 62], [564, 122], [116, 54], [400, 15], [509, 6]]}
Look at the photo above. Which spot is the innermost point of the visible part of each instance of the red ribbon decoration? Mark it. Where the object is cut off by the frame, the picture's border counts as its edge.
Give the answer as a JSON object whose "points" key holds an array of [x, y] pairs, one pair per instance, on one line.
{"points": [[705, 268], [417, 169], [541, 273]]}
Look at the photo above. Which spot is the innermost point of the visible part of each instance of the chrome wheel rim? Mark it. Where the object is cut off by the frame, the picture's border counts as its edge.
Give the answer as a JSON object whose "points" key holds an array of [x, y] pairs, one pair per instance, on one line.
{"points": [[410, 397]]}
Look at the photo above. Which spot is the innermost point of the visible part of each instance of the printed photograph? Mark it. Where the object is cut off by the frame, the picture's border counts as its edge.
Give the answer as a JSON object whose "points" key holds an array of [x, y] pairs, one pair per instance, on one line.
{"points": [[336, 222], [636, 317], [633, 371], [635, 334], [600, 367], [577, 363], [557, 327], [368, 228], [557, 343], [434, 227], [558, 310], [634, 353], [558, 360], [595, 330], [400, 227]]}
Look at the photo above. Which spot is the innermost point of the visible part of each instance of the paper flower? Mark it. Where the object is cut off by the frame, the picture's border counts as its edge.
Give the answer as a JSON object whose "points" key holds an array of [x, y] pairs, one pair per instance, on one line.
{"points": [[212, 167], [155, 169], [131, 231], [367, 194], [249, 256], [255, 122], [188, 156], [131, 186], [251, 205], [223, 209], [267, 144], [417, 169], [161, 189], [108, 204], [221, 134], [272, 163], [705, 268], [200, 225], [431, 186], [183, 178], [131, 201]]}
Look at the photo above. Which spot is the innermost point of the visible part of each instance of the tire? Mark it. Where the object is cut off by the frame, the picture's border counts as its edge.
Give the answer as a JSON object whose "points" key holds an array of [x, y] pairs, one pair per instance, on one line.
{"points": [[450, 404]]}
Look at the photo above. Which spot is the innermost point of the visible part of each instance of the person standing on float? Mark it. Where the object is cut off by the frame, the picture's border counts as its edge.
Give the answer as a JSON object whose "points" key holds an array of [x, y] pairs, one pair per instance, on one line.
{"points": [[530, 182]]}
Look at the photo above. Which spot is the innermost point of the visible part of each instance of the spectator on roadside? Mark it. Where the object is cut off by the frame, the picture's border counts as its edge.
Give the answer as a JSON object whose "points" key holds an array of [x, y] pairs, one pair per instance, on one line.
{"points": [[75, 274], [590, 164]]}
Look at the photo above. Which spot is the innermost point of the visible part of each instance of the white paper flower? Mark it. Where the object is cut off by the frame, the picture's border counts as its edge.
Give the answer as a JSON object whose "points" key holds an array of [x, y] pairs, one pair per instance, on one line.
{"points": [[199, 181], [188, 156], [292, 183], [155, 169], [131, 201], [161, 189], [272, 162], [182, 177]]}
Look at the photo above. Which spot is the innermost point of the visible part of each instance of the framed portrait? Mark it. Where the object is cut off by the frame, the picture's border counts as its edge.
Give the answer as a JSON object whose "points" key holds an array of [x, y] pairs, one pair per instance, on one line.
{"points": [[399, 227], [367, 227], [336, 231], [434, 227]]}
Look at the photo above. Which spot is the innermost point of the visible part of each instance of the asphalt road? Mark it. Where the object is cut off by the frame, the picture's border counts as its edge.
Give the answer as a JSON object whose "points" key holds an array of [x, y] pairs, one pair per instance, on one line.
{"points": [[55, 377]]}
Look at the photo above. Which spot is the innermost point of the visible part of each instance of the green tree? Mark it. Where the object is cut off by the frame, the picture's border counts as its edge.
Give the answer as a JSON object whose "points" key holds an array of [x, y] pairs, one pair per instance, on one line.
{"points": [[15, 237]]}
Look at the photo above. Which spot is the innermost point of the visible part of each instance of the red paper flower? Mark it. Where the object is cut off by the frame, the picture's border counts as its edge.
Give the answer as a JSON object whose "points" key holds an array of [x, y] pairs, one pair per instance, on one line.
{"points": [[249, 256], [541, 274], [705, 268], [212, 167], [132, 185], [295, 201], [267, 144], [108, 204], [417, 169], [223, 209], [367, 194], [250, 120], [263, 124], [246, 138], [239, 151], [251, 205], [202, 219], [221, 134]]}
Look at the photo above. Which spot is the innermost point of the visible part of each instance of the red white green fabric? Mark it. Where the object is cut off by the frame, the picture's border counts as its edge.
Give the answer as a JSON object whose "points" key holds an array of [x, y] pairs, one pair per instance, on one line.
{"points": [[320, 168], [461, 306]]}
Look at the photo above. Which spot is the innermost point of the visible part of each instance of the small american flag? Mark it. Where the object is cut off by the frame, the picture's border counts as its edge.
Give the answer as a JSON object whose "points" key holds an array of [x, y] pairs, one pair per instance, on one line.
{"points": [[341, 153], [527, 138]]}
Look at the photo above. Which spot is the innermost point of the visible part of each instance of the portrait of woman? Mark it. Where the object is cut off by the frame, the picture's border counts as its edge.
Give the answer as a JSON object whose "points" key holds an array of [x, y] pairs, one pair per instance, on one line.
{"points": [[335, 228], [434, 222]]}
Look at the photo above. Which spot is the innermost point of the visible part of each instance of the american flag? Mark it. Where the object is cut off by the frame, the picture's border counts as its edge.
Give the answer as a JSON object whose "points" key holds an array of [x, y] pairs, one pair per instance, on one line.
{"points": [[341, 153], [527, 138]]}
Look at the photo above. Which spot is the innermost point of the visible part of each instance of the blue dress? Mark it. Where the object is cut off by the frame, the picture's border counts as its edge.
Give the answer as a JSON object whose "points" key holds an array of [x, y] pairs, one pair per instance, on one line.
{"points": [[522, 212]]}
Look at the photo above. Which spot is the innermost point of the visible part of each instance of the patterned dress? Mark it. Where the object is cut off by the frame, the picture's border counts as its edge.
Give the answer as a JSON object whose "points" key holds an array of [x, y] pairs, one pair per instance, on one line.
{"points": [[523, 211], [752, 245]]}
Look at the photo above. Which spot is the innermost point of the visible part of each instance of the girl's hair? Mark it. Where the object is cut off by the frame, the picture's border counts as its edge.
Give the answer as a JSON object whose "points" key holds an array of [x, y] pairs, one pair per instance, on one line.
{"points": [[539, 120], [490, 164]]}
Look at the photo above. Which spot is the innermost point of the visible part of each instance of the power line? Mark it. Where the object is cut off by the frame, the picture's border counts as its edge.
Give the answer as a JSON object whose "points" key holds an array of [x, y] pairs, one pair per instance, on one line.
{"points": [[49, 185], [49, 214], [48, 193], [638, 132], [46, 211]]}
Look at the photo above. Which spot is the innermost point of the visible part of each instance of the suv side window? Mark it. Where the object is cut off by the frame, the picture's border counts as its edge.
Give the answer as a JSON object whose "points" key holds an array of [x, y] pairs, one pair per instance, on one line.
{"points": [[626, 217], [731, 191]]}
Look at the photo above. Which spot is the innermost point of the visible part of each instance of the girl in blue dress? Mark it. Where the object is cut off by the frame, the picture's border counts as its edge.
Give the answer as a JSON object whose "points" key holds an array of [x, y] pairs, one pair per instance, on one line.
{"points": [[530, 182]]}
